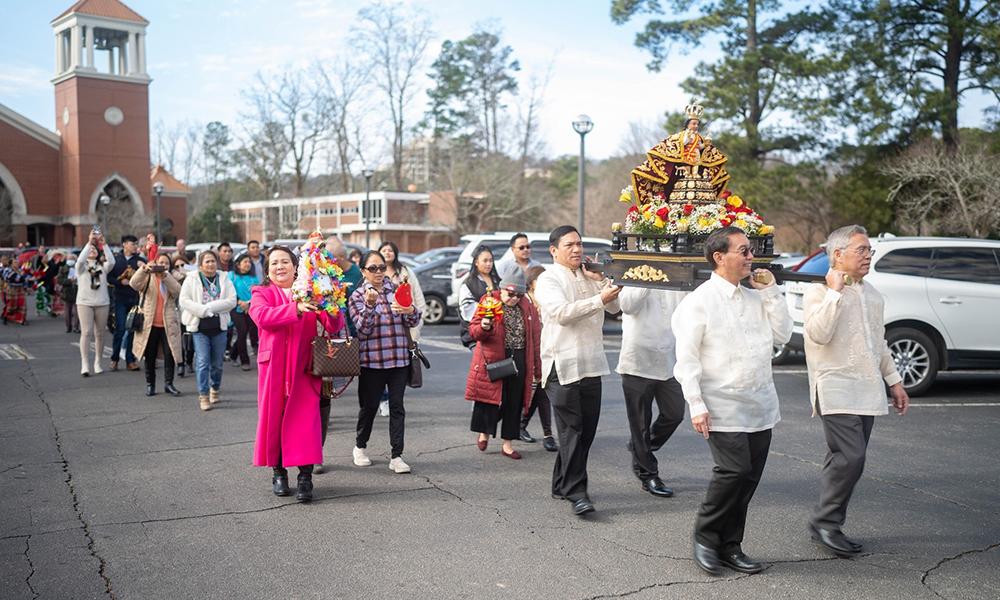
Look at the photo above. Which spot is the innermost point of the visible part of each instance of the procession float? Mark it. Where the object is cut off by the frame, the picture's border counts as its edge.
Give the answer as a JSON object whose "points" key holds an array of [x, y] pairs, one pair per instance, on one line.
{"points": [[677, 197]]}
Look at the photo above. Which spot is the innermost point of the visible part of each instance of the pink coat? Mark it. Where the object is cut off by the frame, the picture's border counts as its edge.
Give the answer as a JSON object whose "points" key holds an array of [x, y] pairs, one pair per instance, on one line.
{"points": [[288, 426]]}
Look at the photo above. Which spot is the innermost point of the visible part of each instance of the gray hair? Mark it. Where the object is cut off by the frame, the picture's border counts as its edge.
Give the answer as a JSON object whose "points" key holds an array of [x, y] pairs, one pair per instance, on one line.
{"points": [[841, 238], [718, 241]]}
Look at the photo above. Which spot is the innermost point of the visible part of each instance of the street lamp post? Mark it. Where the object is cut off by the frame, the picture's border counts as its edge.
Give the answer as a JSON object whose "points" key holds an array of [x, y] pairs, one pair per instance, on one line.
{"points": [[218, 227], [105, 201], [158, 188], [582, 125], [367, 207]]}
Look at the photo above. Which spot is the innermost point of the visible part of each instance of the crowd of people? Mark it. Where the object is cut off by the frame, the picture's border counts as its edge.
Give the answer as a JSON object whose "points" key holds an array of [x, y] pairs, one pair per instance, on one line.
{"points": [[536, 336]]}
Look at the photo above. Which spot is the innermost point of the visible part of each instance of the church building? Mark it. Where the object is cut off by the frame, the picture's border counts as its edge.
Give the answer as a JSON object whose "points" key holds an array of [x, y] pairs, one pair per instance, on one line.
{"points": [[94, 169]]}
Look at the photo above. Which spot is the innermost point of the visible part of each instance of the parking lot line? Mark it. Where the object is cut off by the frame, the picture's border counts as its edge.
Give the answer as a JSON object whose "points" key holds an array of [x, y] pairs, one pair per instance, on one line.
{"points": [[950, 404]]}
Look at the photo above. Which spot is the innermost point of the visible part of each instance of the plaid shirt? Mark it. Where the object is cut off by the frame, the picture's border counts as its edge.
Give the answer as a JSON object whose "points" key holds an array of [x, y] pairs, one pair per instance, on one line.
{"points": [[382, 334]]}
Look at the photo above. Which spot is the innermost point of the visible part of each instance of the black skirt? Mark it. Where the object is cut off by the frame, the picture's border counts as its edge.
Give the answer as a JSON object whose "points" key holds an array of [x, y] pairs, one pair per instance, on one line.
{"points": [[485, 416]]}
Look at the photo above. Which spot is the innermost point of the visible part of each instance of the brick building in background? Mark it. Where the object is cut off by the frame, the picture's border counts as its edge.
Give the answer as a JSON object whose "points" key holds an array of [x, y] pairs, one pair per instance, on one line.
{"points": [[95, 168]]}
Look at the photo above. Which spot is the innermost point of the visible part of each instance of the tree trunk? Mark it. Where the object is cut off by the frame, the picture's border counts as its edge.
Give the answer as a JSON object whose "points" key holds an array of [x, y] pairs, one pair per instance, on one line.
{"points": [[752, 61], [952, 66]]}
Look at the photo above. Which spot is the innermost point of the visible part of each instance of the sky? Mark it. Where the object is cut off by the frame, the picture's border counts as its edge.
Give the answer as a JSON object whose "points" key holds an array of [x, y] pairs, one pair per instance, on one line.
{"points": [[202, 53]]}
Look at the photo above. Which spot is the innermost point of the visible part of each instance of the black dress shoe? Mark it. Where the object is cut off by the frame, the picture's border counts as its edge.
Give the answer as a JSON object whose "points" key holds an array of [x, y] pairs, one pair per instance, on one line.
{"points": [[549, 443], [738, 561], [279, 484], [656, 487], [833, 541], [150, 390], [854, 544], [304, 488], [707, 559], [526, 437], [582, 507], [170, 389]]}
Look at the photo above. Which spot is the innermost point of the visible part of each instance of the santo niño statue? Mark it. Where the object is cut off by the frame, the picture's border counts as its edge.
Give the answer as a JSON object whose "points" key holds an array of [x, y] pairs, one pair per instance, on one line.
{"points": [[685, 167]]}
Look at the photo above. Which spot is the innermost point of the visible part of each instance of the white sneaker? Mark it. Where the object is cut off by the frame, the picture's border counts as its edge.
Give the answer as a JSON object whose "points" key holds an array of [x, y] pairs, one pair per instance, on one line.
{"points": [[383, 408], [361, 458], [398, 465], [97, 368]]}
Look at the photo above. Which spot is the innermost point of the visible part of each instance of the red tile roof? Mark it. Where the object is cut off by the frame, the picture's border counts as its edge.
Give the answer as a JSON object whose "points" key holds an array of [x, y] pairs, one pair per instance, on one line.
{"points": [[105, 8], [170, 183]]}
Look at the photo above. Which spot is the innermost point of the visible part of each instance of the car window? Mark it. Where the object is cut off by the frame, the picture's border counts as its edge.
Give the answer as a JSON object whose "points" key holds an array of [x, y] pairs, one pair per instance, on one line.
{"points": [[975, 265], [540, 251], [905, 261], [819, 264]]}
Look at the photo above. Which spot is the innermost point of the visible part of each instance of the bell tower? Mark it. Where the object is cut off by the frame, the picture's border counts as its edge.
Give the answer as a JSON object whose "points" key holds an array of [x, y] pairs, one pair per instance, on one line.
{"points": [[102, 115]]}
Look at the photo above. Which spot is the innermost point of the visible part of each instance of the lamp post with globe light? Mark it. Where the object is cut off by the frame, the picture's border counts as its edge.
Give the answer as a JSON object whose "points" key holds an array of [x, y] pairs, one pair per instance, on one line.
{"points": [[582, 125], [366, 210], [105, 201], [158, 188]]}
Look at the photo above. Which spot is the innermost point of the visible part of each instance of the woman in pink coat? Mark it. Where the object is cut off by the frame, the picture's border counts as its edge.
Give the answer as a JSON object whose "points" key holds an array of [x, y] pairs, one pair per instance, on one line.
{"points": [[288, 426]]}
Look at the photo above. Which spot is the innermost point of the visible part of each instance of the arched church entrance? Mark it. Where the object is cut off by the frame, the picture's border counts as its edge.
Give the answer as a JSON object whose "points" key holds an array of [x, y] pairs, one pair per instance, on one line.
{"points": [[116, 208], [6, 216]]}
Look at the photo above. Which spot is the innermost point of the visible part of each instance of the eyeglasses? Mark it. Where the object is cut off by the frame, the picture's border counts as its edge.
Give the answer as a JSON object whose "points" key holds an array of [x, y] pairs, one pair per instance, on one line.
{"points": [[744, 250], [376, 268], [514, 294], [521, 247], [863, 251]]}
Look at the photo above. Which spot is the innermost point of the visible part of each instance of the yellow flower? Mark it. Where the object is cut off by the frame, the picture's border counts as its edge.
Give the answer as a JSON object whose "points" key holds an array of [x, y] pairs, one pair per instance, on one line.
{"points": [[682, 225], [766, 229], [659, 222], [704, 222], [735, 201], [740, 223], [625, 197]]}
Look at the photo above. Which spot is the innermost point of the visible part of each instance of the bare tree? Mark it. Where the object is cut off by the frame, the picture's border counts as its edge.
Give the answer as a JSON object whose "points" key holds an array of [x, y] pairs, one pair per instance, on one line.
{"points": [[262, 155], [527, 115], [343, 84], [396, 42], [940, 192], [167, 141], [190, 152]]}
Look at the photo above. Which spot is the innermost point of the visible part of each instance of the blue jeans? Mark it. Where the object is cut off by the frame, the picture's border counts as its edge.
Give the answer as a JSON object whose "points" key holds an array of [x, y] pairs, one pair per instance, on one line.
{"points": [[208, 354], [122, 335]]}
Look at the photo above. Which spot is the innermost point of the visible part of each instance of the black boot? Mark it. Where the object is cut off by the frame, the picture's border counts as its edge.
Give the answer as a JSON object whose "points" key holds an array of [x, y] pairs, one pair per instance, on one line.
{"points": [[279, 482], [150, 389], [304, 486], [170, 389]]}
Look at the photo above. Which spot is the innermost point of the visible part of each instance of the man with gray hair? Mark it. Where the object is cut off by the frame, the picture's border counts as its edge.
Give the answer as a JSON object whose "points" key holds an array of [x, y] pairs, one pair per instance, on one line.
{"points": [[848, 361]]}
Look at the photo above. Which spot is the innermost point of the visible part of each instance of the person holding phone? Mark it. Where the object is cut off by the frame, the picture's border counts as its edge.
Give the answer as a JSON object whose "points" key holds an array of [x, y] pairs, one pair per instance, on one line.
{"points": [[92, 299], [161, 327]]}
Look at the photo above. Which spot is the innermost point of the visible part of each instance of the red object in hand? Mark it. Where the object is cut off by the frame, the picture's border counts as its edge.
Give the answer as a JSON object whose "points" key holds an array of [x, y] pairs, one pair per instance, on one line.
{"points": [[151, 251], [404, 295]]}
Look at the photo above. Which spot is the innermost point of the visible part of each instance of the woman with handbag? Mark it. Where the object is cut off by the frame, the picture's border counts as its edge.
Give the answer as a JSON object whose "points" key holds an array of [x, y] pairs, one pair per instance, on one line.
{"points": [[384, 335], [206, 299], [161, 327], [92, 299], [506, 363], [482, 278], [397, 273], [288, 425]]}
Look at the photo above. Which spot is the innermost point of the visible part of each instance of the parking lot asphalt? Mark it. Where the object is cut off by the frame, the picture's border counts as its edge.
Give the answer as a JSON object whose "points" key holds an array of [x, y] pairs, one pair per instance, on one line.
{"points": [[107, 493]]}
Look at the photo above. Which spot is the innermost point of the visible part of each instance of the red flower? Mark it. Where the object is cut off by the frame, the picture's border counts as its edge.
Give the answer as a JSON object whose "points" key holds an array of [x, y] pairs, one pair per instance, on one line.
{"points": [[725, 194], [632, 209], [688, 209], [659, 196], [726, 221], [663, 212]]}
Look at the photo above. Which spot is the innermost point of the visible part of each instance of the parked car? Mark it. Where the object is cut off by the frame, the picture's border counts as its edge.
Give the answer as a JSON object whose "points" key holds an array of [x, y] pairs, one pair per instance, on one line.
{"points": [[499, 243], [942, 296], [452, 252], [201, 246], [435, 281]]}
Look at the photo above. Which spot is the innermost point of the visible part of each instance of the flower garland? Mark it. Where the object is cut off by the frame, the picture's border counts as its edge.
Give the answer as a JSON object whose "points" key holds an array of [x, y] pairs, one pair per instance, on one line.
{"points": [[665, 218], [319, 280]]}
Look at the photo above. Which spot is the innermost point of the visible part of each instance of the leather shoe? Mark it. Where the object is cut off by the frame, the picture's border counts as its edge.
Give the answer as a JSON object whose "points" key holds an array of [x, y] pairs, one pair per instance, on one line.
{"points": [[481, 444], [132, 366], [738, 561], [582, 507], [833, 541], [549, 443], [304, 488], [526, 437], [279, 485], [114, 365], [854, 544], [150, 391], [512, 454], [707, 559], [656, 487], [170, 389]]}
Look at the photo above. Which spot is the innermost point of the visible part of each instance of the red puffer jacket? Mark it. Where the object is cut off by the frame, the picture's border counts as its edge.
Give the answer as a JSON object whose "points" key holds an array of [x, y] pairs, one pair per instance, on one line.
{"points": [[490, 348]]}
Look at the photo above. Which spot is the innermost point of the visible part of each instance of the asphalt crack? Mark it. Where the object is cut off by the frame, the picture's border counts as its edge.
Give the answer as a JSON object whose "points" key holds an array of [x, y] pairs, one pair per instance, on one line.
{"points": [[439, 450], [31, 567], [494, 509], [667, 584], [180, 449], [943, 561]]}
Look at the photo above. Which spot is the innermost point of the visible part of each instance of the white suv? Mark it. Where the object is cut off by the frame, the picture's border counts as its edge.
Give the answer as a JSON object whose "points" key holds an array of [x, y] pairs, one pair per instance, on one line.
{"points": [[942, 298], [499, 242]]}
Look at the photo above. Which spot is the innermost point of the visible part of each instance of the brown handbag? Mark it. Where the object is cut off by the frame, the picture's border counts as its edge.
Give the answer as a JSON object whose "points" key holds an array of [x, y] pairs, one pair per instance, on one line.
{"points": [[335, 357]]}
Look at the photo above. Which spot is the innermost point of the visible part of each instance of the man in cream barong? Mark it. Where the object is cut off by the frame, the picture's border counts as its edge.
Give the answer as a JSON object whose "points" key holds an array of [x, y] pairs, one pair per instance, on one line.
{"points": [[848, 361]]}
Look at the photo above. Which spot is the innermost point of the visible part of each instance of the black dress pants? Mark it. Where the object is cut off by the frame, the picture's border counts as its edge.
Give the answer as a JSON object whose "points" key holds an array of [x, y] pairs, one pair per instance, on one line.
{"points": [[648, 436], [245, 329], [739, 462], [539, 402], [847, 444], [371, 384], [577, 409], [157, 340]]}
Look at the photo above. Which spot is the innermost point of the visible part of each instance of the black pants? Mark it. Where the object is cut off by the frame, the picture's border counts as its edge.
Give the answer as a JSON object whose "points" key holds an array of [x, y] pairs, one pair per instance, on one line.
{"points": [[847, 444], [485, 415], [187, 349], [157, 340], [739, 463], [245, 328], [648, 436], [371, 383], [577, 409], [539, 402], [325, 405]]}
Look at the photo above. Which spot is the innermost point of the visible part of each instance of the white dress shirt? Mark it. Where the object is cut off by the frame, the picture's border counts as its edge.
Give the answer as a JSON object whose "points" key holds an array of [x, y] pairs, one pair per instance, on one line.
{"points": [[846, 352], [725, 334], [647, 338], [573, 337]]}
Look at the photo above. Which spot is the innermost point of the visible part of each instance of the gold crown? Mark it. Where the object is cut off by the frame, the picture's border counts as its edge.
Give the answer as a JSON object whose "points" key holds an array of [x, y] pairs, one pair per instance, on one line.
{"points": [[694, 110]]}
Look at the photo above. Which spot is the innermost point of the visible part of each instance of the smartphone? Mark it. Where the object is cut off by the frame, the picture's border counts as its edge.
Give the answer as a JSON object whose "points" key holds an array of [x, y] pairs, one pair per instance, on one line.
{"points": [[157, 268]]}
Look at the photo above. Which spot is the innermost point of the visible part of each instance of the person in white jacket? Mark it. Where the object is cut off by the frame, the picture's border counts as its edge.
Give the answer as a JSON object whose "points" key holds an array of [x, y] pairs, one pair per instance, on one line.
{"points": [[206, 299], [92, 299]]}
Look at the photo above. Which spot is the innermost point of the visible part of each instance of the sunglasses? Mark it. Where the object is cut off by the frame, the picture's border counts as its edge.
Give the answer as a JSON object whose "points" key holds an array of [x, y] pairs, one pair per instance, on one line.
{"points": [[521, 247], [376, 268], [514, 294], [744, 251]]}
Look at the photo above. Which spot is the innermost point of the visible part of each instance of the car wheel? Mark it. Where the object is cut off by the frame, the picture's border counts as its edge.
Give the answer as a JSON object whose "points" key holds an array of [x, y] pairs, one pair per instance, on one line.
{"points": [[780, 354], [916, 358], [434, 314]]}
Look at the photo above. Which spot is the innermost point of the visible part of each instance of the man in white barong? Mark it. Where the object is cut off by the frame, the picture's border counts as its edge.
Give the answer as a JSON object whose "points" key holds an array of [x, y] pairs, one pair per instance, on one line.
{"points": [[724, 335], [849, 366]]}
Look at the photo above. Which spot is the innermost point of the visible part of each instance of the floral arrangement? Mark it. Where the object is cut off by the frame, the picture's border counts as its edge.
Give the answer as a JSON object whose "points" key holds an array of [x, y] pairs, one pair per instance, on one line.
{"points": [[319, 280], [662, 218], [489, 307]]}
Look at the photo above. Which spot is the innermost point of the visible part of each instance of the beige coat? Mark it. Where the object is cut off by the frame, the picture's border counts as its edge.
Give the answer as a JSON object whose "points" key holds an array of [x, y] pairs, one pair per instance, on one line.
{"points": [[171, 320]]}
